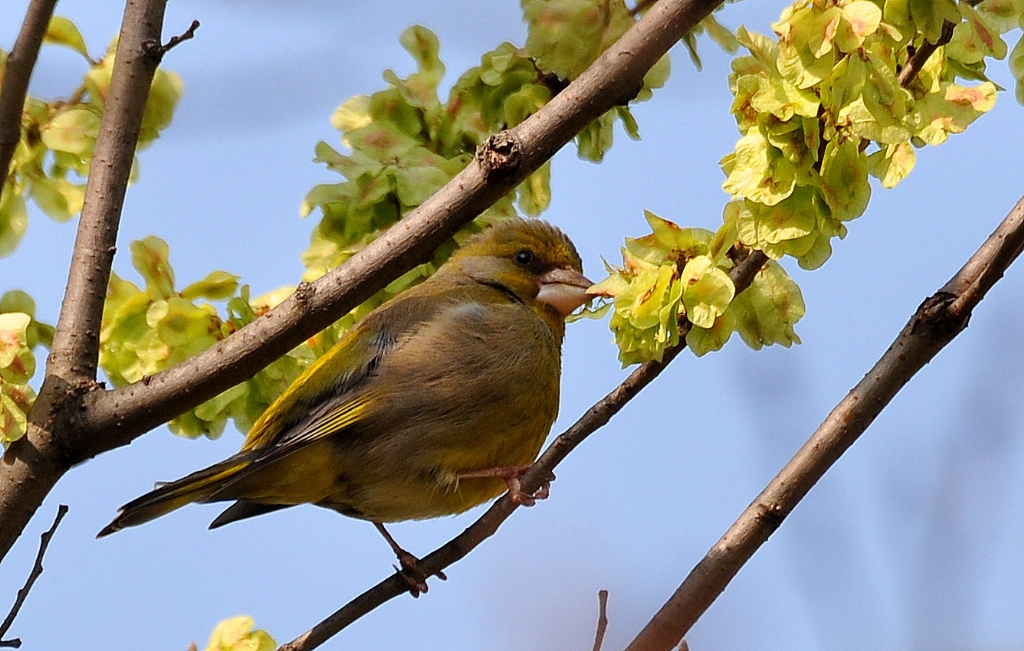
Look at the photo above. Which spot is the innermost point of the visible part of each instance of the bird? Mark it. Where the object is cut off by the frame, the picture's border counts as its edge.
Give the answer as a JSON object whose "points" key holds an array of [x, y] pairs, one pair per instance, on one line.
{"points": [[435, 402]]}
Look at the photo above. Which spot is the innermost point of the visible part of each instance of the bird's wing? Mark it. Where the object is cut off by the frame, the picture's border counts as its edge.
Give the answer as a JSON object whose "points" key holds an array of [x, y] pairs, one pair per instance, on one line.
{"points": [[332, 393], [334, 417], [342, 369]]}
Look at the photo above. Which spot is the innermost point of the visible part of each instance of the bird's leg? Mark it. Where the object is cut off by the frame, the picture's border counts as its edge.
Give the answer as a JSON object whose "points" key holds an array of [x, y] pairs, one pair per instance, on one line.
{"points": [[511, 475], [410, 570]]}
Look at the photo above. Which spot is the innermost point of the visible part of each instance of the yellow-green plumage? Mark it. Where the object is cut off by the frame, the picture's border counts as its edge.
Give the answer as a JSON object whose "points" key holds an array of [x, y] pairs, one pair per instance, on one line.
{"points": [[457, 375]]}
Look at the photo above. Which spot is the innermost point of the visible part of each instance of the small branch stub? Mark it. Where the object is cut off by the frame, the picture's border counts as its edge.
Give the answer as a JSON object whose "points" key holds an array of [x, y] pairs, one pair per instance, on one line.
{"points": [[934, 313], [304, 292], [602, 619], [154, 49]]}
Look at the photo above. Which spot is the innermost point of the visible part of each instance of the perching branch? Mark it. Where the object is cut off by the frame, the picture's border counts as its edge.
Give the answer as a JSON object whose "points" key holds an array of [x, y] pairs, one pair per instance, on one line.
{"points": [[487, 524], [939, 319], [17, 72], [34, 463], [37, 570]]}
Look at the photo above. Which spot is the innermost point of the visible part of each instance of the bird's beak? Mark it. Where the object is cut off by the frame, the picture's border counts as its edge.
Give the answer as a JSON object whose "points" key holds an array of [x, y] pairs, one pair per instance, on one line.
{"points": [[563, 289]]}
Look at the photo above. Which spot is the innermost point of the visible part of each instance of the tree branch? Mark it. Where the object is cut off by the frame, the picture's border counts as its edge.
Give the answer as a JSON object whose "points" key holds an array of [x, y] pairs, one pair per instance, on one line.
{"points": [[34, 463], [17, 72], [937, 321], [37, 570], [118, 417], [487, 524], [76, 341]]}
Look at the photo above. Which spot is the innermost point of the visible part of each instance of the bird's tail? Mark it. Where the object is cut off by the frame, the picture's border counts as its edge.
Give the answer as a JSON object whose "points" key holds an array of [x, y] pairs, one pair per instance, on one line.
{"points": [[176, 494]]}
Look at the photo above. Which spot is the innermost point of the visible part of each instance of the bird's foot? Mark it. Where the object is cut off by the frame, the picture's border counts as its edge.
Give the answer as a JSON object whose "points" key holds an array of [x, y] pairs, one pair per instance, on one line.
{"points": [[411, 573], [521, 497], [512, 475], [410, 570]]}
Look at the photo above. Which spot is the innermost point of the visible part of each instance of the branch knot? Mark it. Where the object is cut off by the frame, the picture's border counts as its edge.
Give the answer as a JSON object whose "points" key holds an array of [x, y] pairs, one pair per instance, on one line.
{"points": [[936, 315], [304, 292], [771, 514], [500, 155]]}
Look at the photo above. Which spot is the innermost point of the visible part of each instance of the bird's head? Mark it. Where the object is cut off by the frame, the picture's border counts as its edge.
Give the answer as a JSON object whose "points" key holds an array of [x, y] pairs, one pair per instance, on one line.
{"points": [[530, 259]]}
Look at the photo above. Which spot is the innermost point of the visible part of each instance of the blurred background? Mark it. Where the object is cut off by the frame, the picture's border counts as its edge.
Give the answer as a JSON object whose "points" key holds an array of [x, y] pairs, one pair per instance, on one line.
{"points": [[913, 541]]}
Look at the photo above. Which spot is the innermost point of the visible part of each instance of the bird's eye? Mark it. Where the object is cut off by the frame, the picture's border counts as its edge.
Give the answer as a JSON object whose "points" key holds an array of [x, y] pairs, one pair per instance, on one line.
{"points": [[524, 257]]}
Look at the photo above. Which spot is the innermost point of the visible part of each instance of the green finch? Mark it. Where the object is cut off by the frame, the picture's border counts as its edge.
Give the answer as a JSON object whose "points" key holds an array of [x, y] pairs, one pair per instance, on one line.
{"points": [[434, 403]]}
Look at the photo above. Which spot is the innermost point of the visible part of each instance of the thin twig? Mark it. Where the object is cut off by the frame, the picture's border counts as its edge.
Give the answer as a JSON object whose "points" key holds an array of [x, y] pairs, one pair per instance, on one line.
{"points": [[938, 320], [921, 56], [602, 619], [177, 40], [17, 72], [37, 569], [487, 524], [923, 53]]}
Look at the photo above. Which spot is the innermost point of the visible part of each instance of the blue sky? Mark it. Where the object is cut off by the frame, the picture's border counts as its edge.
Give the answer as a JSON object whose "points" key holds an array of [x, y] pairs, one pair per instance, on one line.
{"points": [[912, 542]]}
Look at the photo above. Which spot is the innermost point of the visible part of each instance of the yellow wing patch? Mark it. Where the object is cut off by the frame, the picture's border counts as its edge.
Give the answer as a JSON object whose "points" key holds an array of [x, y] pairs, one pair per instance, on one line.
{"points": [[349, 355], [334, 421]]}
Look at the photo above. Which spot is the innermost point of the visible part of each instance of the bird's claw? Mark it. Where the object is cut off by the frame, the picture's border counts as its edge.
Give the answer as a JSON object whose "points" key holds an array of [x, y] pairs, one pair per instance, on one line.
{"points": [[544, 490], [414, 577], [522, 498], [516, 494]]}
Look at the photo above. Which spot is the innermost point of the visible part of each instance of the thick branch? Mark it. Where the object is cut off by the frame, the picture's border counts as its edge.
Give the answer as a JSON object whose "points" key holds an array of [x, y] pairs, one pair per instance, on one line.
{"points": [[33, 464], [937, 321], [487, 524], [76, 341], [116, 418], [17, 72]]}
